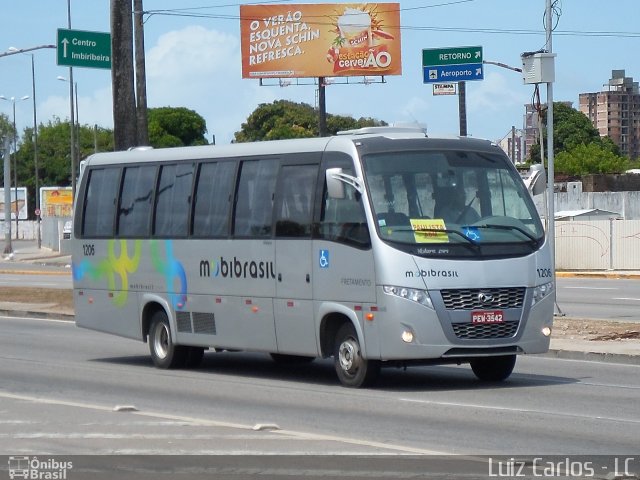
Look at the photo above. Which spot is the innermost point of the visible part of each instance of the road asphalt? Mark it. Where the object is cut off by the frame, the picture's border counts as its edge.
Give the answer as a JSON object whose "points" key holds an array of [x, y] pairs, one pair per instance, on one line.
{"points": [[28, 258]]}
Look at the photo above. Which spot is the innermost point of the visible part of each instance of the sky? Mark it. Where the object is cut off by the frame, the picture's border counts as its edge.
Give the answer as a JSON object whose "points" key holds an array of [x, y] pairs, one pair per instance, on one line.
{"points": [[196, 63]]}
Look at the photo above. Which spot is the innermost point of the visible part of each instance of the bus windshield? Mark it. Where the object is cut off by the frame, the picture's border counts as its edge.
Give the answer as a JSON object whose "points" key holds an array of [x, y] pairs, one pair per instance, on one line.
{"points": [[466, 201]]}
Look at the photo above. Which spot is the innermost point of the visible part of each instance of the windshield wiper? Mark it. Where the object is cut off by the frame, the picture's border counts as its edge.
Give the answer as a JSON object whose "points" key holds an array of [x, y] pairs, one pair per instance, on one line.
{"points": [[534, 241]]}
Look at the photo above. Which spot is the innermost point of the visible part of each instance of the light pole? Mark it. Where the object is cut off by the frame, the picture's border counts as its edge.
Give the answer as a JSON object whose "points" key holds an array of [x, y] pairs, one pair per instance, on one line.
{"points": [[13, 101], [35, 144], [75, 129]]}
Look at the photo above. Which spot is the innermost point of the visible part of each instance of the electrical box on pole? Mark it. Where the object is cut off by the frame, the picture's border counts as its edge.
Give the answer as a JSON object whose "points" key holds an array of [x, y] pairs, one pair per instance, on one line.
{"points": [[538, 67]]}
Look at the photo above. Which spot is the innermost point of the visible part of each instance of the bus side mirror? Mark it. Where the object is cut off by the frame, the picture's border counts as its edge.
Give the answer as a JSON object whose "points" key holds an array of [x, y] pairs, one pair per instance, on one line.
{"points": [[335, 186], [536, 179]]}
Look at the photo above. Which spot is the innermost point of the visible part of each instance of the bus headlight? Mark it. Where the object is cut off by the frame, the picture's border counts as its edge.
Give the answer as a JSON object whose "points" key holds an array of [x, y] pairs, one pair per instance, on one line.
{"points": [[419, 296], [541, 291]]}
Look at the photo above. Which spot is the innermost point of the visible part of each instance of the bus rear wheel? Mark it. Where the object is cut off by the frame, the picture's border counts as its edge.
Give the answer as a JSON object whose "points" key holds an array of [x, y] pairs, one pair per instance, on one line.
{"points": [[353, 370], [493, 369], [164, 353]]}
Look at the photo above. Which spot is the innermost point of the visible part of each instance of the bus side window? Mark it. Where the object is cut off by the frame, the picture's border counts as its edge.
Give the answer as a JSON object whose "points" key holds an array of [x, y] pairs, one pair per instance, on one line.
{"points": [[173, 200], [213, 199], [135, 202], [343, 219], [100, 202], [294, 200], [254, 204]]}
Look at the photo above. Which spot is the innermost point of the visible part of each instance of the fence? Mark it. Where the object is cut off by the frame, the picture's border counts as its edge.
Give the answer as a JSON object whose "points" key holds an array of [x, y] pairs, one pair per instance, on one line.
{"points": [[598, 245]]}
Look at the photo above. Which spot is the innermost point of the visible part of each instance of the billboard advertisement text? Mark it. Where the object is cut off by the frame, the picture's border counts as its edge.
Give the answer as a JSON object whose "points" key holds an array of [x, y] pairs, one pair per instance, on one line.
{"points": [[320, 40]]}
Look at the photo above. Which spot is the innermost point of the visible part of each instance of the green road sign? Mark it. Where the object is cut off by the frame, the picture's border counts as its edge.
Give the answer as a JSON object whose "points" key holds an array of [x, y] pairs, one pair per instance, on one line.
{"points": [[451, 56], [78, 48]]}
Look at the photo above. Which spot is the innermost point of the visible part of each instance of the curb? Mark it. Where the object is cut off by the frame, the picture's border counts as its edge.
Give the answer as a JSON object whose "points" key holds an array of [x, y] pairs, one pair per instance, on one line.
{"points": [[620, 358], [67, 317], [62, 271], [611, 274]]}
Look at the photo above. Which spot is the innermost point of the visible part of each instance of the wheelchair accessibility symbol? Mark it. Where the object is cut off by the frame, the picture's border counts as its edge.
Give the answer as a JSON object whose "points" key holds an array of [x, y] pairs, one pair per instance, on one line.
{"points": [[324, 259], [472, 233]]}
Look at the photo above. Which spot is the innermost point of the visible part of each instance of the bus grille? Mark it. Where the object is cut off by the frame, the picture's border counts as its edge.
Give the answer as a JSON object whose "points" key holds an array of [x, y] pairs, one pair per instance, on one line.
{"points": [[183, 319], [476, 331], [483, 298], [204, 323]]}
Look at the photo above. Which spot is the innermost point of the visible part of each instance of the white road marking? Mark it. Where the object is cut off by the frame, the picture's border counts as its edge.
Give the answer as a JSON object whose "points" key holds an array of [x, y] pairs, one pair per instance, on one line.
{"points": [[203, 422], [521, 410]]}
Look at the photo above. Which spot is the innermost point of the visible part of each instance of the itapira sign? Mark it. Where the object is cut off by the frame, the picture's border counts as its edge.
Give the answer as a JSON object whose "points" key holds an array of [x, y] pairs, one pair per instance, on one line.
{"points": [[320, 40], [79, 48], [452, 64]]}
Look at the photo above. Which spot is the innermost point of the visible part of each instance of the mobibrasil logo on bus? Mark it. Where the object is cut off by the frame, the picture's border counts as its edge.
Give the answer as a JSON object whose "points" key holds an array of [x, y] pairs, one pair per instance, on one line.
{"points": [[236, 268]]}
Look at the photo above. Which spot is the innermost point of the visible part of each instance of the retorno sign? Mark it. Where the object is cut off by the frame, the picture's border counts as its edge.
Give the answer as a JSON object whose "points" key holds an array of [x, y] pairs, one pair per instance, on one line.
{"points": [[313, 40]]}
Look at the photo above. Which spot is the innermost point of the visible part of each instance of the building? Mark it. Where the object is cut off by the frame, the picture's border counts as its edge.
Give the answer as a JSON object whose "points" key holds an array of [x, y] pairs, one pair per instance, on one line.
{"points": [[615, 112]]}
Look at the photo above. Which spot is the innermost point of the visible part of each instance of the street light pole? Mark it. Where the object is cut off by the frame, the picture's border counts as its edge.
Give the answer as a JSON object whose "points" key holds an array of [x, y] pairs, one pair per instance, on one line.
{"points": [[71, 109], [15, 151], [35, 149]]}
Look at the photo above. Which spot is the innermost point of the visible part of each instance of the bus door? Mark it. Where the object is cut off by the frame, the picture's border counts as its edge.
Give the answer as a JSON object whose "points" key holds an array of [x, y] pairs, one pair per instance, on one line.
{"points": [[293, 305]]}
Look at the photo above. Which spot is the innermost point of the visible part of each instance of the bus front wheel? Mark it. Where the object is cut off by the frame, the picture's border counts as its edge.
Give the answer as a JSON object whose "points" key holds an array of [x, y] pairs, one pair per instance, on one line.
{"points": [[164, 353], [493, 369], [353, 370]]}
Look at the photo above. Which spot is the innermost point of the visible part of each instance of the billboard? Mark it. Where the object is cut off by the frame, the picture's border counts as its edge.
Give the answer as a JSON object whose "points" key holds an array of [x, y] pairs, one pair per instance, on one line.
{"points": [[56, 202], [320, 40], [18, 205]]}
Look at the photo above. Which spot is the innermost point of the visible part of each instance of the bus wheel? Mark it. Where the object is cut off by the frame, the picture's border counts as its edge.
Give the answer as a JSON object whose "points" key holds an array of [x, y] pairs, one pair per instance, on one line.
{"points": [[284, 359], [493, 369], [163, 351], [352, 369]]}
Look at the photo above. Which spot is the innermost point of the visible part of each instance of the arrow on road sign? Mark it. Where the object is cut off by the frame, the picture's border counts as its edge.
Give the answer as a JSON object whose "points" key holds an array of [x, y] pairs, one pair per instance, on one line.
{"points": [[65, 42]]}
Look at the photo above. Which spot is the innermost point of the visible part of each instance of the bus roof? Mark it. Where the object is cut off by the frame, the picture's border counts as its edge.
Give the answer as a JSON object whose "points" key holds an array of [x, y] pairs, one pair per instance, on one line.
{"points": [[344, 141]]}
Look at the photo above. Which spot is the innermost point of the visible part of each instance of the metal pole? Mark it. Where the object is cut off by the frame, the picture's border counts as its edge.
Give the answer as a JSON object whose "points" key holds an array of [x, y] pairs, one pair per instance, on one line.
{"points": [[322, 108], [550, 167], [7, 196], [72, 115], [35, 149], [462, 107], [15, 164]]}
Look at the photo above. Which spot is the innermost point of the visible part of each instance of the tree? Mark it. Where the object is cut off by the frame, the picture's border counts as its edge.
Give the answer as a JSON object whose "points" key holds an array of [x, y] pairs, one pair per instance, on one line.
{"points": [[286, 119], [573, 130], [54, 163], [591, 158], [176, 127]]}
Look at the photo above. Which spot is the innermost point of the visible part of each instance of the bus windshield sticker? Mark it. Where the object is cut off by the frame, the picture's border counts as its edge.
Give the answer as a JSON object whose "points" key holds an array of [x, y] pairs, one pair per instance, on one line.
{"points": [[472, 233], [429, 230]]}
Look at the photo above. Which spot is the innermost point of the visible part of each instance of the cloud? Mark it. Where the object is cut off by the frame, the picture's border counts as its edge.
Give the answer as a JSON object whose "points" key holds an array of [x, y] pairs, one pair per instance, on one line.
{"points": [[494, 94]]}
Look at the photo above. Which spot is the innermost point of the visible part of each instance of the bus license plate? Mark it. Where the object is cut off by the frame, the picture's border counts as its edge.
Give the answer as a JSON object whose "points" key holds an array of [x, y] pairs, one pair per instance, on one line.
{"points": [[487, 316]]}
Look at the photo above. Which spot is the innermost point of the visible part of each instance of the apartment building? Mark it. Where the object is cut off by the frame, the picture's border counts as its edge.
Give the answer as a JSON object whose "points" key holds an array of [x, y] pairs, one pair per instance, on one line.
{"points": [[615, 112]]}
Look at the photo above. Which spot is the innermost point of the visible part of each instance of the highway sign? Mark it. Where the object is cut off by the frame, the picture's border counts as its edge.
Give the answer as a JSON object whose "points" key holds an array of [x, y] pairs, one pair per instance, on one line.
{"points": [[452, 64], [79, 48], [453, 73]]}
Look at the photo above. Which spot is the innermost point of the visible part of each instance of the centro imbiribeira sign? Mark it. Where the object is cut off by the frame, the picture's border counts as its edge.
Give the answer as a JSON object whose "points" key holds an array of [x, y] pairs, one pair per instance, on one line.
{"points": [[78, 48]]}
